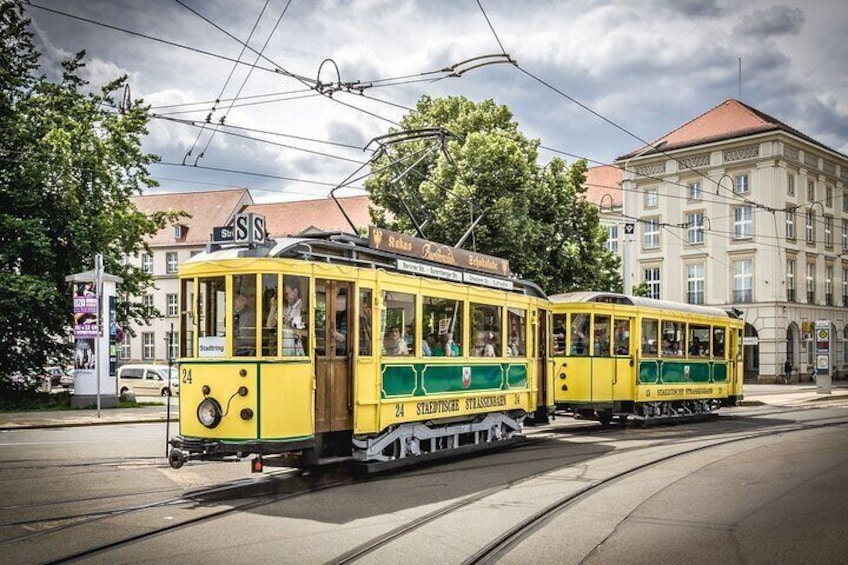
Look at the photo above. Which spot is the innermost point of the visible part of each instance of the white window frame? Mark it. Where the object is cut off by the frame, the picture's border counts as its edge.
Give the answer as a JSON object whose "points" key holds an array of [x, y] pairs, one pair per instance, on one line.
{"points": [[695, 283], [612, 238], [147, 262], [790, 223], [651, 234], [844, 286], [743, 222], [790, 184], [810, 226], [173, 349], [791, 296], [148, 346], [651, 197], [124, 350], [741, 184], [811, 283], [743, 277], [828, 196], [828, 231], [171, 262], [811, 191], [695, 192], [652, 280], [147, 301], [172, 305], [695, 228], [828, 285]]}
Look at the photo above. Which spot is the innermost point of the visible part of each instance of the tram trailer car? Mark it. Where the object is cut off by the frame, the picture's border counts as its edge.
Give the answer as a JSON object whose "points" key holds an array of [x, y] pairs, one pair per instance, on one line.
{"points": [[334, 345], [618, 356]]}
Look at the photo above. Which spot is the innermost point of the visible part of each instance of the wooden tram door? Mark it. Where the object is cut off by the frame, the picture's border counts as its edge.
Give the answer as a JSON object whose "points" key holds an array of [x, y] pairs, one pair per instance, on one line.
{"points": [[542, 365], [333, 356]]}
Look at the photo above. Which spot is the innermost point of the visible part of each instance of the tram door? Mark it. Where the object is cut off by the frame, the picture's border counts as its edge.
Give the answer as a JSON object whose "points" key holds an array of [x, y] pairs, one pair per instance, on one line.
{"points": [[623, 380], [542, 365], [333, 356]]}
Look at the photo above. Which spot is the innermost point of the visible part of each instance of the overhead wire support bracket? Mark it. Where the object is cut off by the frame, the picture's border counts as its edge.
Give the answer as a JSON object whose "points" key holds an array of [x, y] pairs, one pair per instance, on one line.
{"points": [[459, 69]]}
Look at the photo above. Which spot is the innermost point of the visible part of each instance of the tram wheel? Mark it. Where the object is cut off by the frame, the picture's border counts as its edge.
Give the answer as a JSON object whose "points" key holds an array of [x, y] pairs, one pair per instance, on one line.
{"points": [[176, 458]]}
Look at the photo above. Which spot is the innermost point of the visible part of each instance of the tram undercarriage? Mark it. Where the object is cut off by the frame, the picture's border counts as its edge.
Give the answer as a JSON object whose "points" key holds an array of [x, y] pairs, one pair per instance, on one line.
{"points": [[648, 412]]}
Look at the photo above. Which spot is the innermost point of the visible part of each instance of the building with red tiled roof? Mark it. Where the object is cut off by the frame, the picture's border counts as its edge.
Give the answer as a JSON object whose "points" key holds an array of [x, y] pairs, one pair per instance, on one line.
{"points": [[284, 219], [737, 209], [176, 243]]}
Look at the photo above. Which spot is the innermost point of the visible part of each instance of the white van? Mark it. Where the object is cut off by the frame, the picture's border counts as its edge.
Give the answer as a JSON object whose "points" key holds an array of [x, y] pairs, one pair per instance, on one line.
{"points": [[148, 380]]}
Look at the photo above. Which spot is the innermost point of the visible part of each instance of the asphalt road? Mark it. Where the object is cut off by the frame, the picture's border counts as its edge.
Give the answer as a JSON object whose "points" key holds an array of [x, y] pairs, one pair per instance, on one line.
{"points": [[779, 497]]}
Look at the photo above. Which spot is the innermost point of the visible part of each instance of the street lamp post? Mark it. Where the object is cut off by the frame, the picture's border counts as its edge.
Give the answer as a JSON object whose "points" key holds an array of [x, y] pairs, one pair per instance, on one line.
{"points": [[627, 258]]}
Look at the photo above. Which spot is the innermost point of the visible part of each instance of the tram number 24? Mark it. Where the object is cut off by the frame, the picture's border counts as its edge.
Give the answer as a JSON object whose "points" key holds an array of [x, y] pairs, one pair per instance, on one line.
{"points": [[186, 376]]}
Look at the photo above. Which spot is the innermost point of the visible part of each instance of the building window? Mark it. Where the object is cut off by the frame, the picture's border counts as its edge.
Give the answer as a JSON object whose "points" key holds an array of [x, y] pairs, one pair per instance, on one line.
{"points": [[147, 262], [811, 226], [828, 231], [148, 345], [171, 262], [124, 349], [179, 231], [173, 306], [811, 191], [828, 196], [695, 283], [742, 222], [652, 279], [741, 185], [694, 191], [828, 285], [695, 227], [790, 223], [790, 280], [845, 288], [651, 235], [844, 201], [742, 280], [612, 239], [790, 184], [147, 302], [811, 283], [173, 345], [193, 253], [844, 235], [651, 199]]}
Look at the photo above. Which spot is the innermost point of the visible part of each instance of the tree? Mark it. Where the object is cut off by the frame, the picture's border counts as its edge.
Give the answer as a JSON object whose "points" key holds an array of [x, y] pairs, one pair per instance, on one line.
{"points": [[536, 217], [69, 163]]}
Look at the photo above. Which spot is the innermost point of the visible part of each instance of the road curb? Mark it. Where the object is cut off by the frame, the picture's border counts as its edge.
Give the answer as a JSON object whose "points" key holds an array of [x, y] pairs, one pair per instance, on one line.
{"points": [[43, 425]]}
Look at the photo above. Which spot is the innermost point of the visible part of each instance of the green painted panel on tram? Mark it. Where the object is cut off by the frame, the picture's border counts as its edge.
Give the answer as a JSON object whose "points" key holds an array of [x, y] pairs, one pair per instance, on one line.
{"points": [[648, 372], [436, 379], [672, 372], [399, 380], [516, 376], [720, 372], [685, 372]]}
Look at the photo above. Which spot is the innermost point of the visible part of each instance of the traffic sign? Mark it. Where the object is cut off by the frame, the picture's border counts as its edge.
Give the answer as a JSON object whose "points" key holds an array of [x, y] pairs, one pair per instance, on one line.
{"points": [[629, 228]]}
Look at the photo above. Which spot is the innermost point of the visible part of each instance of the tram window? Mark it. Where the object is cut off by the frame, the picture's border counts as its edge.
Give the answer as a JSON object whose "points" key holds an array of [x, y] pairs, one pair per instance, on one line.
{"points": [[516, 323], [559, 326], [718, 343], [270, 319], [740, 345], [187, 323], [320, 319], [580, 334], [365, 321], [486, 330], [622, 337], [601, 342], [441, 327], [244, 315], [398, 324], [650, 331], [295, 316], [211, 313], [699, 341], [673, 339]]}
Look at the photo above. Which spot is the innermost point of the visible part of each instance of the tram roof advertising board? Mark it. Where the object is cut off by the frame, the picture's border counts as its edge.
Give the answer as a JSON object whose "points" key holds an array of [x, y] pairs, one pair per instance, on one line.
{"points": [[417, 248]]}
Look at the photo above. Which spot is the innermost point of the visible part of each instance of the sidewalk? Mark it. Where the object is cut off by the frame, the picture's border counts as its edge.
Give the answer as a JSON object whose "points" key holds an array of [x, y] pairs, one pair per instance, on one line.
{"points": [[755, 395]]}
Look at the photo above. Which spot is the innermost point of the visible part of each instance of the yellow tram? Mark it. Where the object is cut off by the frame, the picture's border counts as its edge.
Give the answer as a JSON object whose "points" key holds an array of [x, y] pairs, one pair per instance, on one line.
{"points": [[622, 356], [381, 349], [392, 349]]}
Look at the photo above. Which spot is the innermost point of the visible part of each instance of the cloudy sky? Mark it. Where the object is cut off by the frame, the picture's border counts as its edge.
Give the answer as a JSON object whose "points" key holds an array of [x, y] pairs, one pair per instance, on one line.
{"points": [[591, 77]]}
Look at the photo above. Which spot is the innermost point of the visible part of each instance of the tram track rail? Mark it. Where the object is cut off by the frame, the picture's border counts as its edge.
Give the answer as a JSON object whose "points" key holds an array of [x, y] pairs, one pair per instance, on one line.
{"points": [[502, 544]]}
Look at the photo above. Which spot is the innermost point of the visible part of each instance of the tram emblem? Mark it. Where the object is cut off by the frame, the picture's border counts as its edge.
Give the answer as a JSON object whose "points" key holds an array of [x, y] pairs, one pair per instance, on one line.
{"points": [[466, 377]]}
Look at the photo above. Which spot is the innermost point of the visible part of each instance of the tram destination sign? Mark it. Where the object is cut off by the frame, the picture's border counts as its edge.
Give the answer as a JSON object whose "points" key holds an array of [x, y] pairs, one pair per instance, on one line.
{"points": [[386, 240]]}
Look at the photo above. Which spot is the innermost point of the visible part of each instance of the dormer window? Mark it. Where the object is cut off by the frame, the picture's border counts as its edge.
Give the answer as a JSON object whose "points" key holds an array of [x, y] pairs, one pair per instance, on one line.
{"points": [[180, 231]]}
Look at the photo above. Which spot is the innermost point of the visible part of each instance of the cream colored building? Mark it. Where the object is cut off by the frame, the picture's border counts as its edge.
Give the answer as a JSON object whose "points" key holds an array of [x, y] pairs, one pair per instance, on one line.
{"points": [[174, 244], [737, 209]]}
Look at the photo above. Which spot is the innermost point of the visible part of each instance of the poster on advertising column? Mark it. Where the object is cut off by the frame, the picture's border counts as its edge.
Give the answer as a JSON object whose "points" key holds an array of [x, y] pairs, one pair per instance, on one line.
{"points": [[85, 332]]}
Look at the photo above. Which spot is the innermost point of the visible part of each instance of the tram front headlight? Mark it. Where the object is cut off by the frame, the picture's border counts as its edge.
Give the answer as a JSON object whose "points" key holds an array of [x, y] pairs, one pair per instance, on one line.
{"points": [[209, 412]]}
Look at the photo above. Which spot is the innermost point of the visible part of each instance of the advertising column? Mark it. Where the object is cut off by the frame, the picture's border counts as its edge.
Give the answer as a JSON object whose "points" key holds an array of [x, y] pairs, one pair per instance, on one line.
{"points": [[93, 322], [823, 357]]}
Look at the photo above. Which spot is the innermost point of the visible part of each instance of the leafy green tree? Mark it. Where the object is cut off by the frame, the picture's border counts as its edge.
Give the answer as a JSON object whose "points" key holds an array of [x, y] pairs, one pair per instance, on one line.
{"points": [[537, 217], [641, 289], [69, 163]]}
